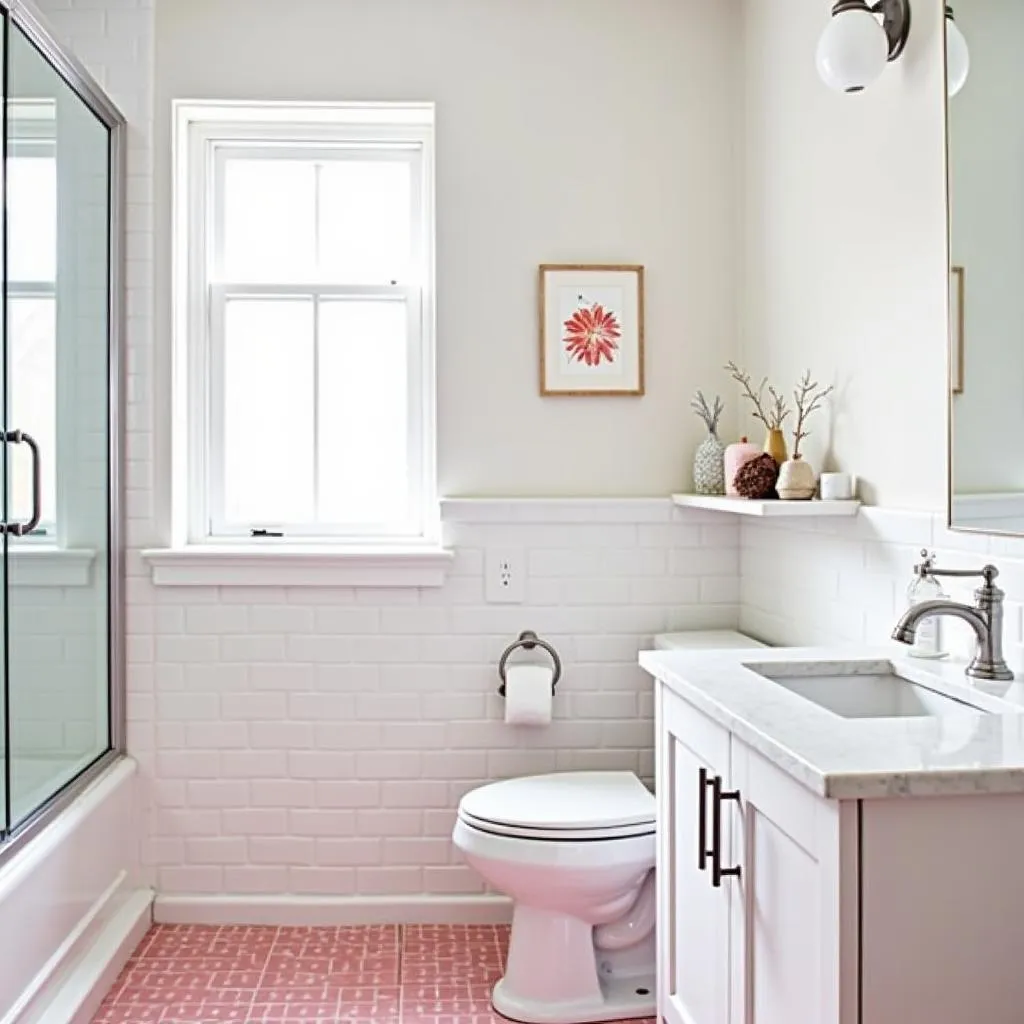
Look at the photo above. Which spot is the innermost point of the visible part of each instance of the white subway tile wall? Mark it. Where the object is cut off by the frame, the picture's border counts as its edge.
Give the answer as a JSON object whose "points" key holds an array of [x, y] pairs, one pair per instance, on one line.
{"points": [[845, 581], [316, 741]]}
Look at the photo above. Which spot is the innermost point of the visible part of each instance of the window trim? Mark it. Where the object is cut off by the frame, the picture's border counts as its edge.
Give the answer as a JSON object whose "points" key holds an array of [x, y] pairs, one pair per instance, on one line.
{"points": [[200, 128]]}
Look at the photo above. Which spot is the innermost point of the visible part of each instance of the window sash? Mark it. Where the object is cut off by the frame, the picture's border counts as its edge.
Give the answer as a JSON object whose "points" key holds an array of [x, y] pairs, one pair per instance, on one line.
{"points": [[409, 524], [202, 294], [407, 153]]}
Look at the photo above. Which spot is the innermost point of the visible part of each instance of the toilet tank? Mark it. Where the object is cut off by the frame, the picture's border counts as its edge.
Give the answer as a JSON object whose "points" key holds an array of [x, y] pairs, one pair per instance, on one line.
{"points": [[704, 640]]}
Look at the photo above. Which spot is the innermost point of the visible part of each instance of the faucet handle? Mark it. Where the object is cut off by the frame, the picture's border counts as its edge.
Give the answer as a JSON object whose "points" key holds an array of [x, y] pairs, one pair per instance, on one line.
{"points": [[989, 572]]}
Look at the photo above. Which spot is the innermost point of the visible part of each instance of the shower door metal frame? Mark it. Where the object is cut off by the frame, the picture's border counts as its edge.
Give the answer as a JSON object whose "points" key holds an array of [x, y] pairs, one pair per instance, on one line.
{"points": [[29, 20]]}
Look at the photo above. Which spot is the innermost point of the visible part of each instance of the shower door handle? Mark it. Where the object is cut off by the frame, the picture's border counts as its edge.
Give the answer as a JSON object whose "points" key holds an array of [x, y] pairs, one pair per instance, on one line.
{"points": [[20, 529]]}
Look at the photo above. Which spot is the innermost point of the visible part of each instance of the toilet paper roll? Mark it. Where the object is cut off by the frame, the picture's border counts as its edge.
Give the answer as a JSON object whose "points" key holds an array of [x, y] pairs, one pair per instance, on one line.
{"points": [[528, 695]]}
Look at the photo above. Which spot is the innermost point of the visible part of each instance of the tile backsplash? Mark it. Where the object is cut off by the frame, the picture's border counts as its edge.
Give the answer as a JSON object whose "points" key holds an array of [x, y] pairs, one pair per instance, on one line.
{"points": [[845, 580]]}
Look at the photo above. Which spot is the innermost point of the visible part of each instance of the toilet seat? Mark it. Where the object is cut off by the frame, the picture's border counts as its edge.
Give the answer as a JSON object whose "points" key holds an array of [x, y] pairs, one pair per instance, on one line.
{"points": [[564, 807]]}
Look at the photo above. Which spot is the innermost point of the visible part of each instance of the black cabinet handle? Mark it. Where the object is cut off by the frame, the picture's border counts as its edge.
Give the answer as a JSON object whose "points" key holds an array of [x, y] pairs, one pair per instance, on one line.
{"points": [[717, 871], [702, 819]]}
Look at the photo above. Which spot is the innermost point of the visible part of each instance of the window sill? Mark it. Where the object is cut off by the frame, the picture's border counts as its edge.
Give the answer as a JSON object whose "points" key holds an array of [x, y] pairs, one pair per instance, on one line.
{"points": [[306, 566], [33, 565]]}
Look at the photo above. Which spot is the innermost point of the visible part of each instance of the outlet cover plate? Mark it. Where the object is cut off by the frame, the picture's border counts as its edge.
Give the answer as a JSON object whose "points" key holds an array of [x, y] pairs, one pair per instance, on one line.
{"points": [[505, 576]]}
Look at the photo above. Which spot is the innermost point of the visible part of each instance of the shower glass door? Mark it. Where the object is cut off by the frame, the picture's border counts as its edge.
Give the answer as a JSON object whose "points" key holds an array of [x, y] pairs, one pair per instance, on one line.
{"points": [[56, 421]]}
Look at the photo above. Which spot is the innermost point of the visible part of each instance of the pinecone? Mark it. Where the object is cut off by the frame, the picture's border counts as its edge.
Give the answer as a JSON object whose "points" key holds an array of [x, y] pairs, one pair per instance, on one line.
{"points": [[757, 478]]}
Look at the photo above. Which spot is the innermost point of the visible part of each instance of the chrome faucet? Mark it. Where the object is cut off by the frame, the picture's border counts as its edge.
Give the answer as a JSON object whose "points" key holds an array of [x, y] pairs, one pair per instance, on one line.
{"points": [[985, 618]]}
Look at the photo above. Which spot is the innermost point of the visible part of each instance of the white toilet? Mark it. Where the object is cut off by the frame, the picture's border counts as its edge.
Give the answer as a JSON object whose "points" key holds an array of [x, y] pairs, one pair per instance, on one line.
{"points": [[575, 851]]}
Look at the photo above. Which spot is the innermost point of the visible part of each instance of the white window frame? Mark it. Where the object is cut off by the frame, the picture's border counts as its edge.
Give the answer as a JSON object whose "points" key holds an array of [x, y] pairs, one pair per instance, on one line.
{"points": [[206, 135]]}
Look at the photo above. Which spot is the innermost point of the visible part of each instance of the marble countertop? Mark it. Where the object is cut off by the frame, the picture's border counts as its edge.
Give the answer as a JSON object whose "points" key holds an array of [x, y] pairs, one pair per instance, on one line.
{"points": [[977, 750]]}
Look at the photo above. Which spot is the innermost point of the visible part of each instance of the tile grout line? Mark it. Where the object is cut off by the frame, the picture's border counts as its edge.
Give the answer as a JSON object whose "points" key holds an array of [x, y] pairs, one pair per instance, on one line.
{"points": [[401, 973], [263, 974]]}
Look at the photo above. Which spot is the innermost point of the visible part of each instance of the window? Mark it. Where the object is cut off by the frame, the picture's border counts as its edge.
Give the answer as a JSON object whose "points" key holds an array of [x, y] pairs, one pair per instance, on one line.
{"points": [[304, 327], [32, 302]]}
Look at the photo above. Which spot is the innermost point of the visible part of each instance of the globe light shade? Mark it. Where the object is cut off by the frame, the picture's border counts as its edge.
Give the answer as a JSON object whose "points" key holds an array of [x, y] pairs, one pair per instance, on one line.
{"points": [[853, 50], [958, 57]]}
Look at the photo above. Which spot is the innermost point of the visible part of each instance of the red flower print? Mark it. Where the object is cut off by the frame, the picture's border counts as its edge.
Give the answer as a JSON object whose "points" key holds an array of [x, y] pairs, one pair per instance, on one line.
{"points": [[591, 335]]}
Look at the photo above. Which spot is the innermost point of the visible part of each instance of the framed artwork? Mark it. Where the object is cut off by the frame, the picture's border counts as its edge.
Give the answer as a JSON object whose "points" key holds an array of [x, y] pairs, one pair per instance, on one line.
{"points": [[957, 295], [591, 330]]}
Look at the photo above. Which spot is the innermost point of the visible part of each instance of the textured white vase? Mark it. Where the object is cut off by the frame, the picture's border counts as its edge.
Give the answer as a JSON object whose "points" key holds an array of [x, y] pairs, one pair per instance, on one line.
{"points": [[796, 480], [709, 466]]}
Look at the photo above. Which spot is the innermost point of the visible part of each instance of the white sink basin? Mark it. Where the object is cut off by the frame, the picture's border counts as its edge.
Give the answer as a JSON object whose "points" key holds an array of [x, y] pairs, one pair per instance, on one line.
{"points": [[867, 689]]}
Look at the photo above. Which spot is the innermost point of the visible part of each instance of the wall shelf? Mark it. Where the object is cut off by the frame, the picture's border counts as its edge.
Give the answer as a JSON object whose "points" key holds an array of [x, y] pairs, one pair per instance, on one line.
{"points": [[768, 509]]}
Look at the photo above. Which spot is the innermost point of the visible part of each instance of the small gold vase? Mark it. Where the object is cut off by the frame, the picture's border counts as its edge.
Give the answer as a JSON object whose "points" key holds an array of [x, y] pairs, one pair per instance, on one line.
{"points": [[775, 446]]}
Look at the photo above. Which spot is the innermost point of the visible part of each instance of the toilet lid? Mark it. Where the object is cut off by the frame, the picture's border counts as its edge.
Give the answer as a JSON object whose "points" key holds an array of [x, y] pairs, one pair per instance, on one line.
{"points": [[569, 805]]}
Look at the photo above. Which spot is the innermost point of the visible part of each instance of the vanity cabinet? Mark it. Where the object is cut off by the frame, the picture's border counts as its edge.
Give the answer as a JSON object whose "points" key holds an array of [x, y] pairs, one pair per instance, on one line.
{"points": [[895, 910], [693, 926], [749, 883]]}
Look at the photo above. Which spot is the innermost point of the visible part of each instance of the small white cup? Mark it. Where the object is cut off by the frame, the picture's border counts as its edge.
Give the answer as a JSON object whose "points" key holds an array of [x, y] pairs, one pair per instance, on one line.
{"points": [[836, 487]]}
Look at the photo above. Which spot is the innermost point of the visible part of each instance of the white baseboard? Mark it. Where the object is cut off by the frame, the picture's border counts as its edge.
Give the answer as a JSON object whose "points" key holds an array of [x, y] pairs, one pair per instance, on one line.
{"points": [[72, 992], [332, 911]]}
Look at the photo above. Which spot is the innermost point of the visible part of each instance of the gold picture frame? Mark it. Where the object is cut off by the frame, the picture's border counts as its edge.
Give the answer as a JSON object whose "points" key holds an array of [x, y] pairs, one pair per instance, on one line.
{"points": [[591, 330], [957, 319]]}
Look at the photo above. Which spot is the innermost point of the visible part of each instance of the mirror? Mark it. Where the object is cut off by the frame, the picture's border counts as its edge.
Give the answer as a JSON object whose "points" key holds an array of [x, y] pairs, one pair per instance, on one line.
{"points": [[986, 185]]}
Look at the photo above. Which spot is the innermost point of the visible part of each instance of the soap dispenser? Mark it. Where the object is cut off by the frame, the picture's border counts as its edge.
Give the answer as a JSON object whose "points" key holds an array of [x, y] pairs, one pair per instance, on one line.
{"points": [[925, 587]]}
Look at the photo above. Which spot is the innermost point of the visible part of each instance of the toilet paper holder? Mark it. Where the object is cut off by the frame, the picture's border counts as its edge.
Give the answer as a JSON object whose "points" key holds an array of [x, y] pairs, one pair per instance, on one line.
{"points": [[528, 640]]}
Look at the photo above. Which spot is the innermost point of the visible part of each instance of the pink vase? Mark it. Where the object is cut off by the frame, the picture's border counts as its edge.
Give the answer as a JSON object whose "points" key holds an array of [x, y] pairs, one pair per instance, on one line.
{"points": [[736, 456]]}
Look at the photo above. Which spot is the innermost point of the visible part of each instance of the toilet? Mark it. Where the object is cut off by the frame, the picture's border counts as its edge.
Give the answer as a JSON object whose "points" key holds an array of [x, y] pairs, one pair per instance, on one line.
{"points": [[575, 851]]}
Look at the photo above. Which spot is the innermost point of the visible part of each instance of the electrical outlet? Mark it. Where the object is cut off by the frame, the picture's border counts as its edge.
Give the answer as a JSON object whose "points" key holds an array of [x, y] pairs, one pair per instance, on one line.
{"points": [[506, 576]]}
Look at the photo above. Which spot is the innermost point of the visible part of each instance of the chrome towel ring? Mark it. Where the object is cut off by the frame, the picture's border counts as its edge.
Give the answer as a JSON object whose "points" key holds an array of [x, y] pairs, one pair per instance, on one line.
{"points": [[528, 640]]}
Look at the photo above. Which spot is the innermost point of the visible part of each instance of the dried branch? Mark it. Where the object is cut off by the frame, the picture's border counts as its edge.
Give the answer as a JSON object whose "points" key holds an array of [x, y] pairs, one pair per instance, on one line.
{"points": [[756, 398], [778, 410], [808, 398], [709, 415]]}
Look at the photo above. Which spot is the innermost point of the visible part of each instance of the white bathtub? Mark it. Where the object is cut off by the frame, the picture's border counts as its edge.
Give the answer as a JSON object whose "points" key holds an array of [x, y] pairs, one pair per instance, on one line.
{"points": [[71, 907]]}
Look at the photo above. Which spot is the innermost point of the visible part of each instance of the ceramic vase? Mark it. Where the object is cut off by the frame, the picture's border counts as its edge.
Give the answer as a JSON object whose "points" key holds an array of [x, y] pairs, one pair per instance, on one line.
{"points": [[775, 446], [736, 456], [796, 480], [709, 466]]}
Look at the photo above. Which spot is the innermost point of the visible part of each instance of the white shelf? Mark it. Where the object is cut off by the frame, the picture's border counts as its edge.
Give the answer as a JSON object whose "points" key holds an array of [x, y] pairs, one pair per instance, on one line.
{"points": [[774, 509]]}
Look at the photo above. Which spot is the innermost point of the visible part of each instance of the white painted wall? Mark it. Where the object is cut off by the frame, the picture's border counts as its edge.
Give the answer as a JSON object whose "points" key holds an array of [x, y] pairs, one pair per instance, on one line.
{"points": [[845, 247], [987, 202], [578, 131]]}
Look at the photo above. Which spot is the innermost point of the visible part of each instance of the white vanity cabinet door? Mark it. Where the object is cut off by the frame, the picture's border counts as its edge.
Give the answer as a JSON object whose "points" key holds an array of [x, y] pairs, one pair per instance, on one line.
{"points": [[693, 921], [787, 925]]}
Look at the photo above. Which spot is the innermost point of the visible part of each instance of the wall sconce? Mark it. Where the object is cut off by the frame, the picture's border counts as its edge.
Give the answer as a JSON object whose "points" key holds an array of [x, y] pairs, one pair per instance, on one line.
{"points": [[860, 40], [958, 56]]}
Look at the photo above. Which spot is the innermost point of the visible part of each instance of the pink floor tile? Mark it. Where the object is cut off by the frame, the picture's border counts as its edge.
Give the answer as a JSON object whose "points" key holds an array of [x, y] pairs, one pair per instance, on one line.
{"points": [[416, 974]]}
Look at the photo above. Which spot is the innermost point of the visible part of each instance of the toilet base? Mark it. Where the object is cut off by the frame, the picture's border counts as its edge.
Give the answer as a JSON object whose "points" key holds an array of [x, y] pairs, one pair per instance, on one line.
{"points": [[554, 975], [620, 1001]]}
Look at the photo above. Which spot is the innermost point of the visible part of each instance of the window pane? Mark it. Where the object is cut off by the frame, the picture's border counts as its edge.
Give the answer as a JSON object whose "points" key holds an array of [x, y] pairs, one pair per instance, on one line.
{"points": [[269, 220], [365, 221], [32, 219], [32, 352], [268, 411], [363, 412]]}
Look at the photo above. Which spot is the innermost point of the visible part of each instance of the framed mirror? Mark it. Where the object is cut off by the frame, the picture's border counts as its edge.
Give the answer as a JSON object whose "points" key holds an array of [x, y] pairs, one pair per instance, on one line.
{"points": [[986, 285]]}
